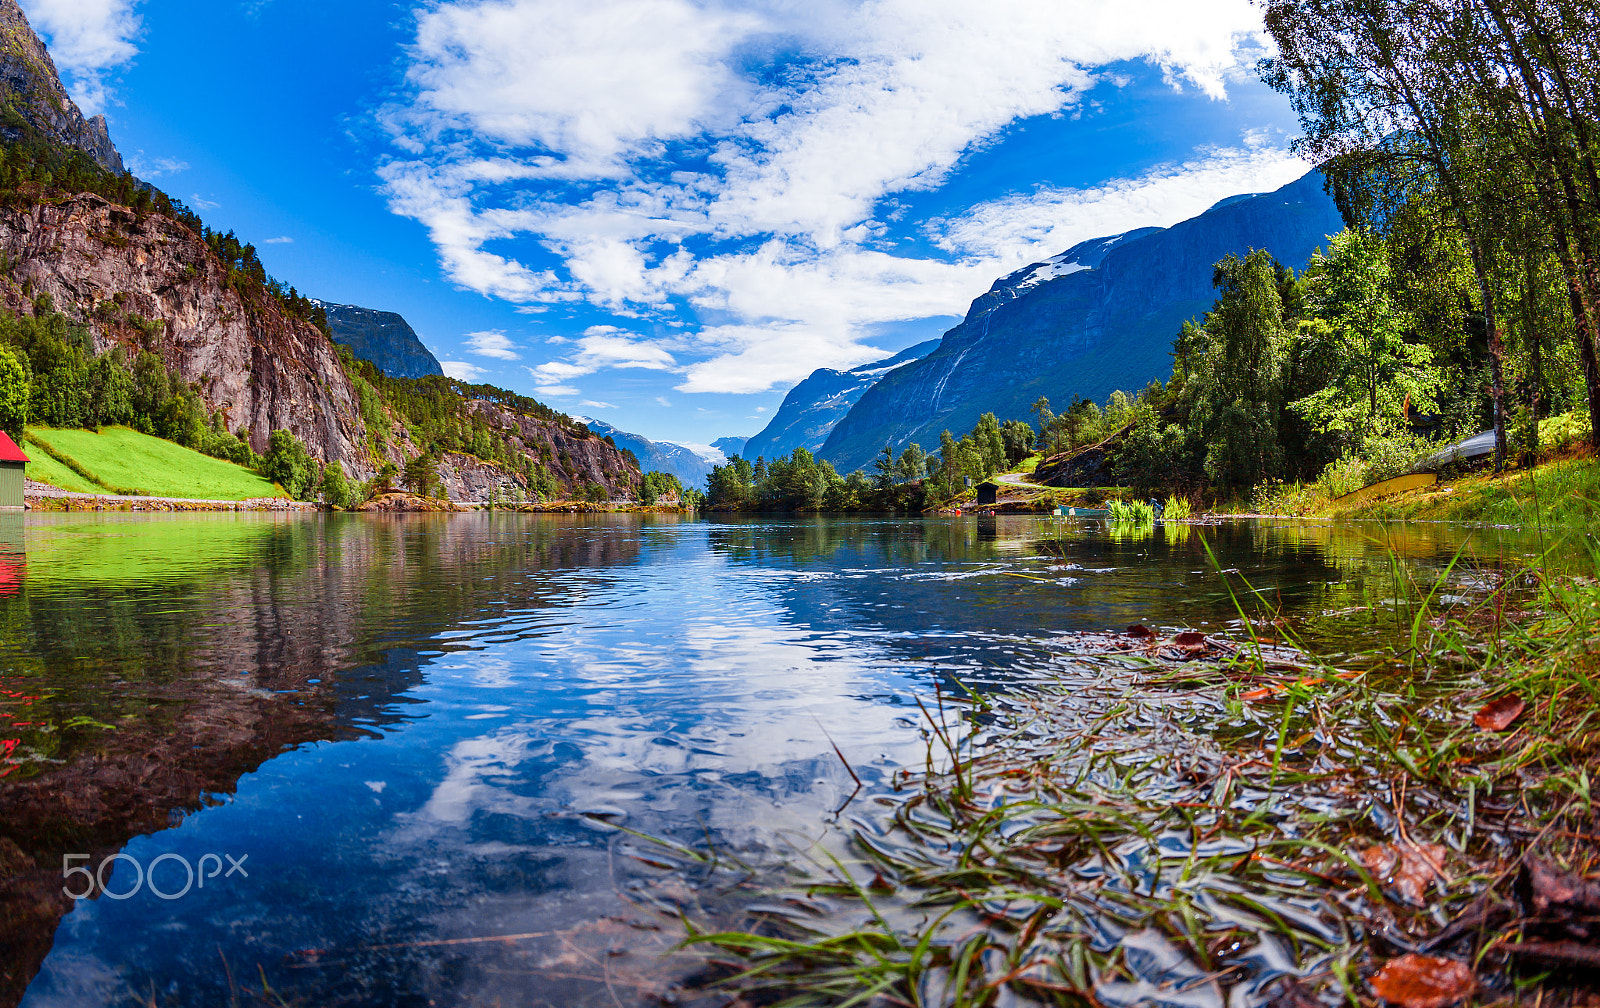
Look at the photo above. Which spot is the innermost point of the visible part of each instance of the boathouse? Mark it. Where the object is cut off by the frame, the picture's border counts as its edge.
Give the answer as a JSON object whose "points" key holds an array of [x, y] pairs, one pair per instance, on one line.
{"points": [[12, 465], [988, 492]]}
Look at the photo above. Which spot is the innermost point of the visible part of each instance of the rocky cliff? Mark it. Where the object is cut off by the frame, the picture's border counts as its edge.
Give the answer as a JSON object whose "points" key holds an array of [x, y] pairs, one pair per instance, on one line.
{"points": [[1099, 317], [148, 282], [812, 408], [384, 338], [32, 89]]}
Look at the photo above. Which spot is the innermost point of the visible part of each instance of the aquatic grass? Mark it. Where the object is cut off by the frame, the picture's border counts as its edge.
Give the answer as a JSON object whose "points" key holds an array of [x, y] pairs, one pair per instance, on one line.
{"points": [[1131, 512], [1162, 833]]}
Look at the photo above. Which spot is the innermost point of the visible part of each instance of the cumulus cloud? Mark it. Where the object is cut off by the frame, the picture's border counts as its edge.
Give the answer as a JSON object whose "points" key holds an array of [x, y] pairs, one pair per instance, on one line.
{"points": [[683, 160], [89, 40], [493, 343], [462, 370]]}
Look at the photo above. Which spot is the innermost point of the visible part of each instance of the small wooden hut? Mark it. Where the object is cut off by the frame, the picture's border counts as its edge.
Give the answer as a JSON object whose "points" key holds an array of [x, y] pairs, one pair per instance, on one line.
{"points": [[12, 465], [988, 491]]}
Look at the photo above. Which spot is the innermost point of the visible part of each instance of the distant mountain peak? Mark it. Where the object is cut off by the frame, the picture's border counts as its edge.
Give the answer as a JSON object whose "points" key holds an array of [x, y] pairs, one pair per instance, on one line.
{"points": [[384, 338], [812, 407], [1108, 323], [30, 84]]}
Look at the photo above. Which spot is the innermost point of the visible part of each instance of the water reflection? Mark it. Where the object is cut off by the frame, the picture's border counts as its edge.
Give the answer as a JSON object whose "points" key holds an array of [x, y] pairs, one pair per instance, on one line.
{"points": [[417, 728]]}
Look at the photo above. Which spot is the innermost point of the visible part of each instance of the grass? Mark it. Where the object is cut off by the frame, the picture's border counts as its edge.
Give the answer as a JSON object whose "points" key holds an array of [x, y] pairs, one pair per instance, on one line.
{"points": [[1563, 493], [120, 460], [1205, 816]]}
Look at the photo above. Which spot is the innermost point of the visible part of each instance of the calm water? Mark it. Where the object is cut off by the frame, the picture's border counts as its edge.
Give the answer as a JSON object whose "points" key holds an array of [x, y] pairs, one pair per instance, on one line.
{"points": [[412, 732]]}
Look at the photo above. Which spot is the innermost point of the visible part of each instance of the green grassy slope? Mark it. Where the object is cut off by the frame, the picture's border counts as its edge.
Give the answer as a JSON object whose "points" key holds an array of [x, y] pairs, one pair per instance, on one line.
{"points": [[121, 460]]}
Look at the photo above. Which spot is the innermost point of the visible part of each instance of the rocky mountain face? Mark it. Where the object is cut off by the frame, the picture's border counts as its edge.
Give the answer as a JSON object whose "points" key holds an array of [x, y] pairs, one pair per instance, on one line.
{"points": [[148, 282], [30, 85], [384, 338], [730, 446], [690, 466], [1099, 317], [812, 408]]}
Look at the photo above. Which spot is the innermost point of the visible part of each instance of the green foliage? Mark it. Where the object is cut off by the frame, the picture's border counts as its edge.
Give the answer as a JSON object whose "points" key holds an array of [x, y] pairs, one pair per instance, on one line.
{"points": [[288, 464], [15, 380], [1374, 375], [337, 489], [422, 475], [1131, 512], [658, 485], [801, 483]]}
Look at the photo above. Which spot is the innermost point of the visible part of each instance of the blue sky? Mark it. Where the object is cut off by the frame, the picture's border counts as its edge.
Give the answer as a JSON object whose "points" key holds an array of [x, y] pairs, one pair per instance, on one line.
{"points": [[664, 213]]}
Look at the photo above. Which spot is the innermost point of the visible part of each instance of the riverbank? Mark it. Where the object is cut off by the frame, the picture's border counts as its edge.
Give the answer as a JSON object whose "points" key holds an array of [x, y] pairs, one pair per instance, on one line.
{"points": [[43, 497], [1199, 821]]}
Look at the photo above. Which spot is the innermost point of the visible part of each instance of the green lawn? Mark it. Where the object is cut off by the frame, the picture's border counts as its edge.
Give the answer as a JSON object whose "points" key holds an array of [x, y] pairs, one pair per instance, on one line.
{"points": [[121, 460]]}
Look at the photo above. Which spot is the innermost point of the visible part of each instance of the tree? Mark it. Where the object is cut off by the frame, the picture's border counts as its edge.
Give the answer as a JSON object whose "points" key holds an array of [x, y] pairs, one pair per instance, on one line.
{"points": [[422, 474], [288, 464], [1374, 372], [336, 489], [14, 392], [1235, 397]]}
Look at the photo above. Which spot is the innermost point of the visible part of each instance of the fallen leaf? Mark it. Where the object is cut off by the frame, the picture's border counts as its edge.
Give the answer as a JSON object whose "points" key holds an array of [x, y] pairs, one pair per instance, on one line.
{"points": [[1139, 630], [1420, 981], [1260, 693], [1405, 868], [1190, 639], [1498, 715]]}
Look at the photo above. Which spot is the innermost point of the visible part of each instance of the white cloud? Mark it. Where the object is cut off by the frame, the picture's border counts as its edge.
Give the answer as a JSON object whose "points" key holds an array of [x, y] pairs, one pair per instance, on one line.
{"points": [[555, 390], [461, 370], [1049, 220], [153, 168], [199, 202], [725, 160], [280, 240], [493, 343], [88, 39], [597, 405]]}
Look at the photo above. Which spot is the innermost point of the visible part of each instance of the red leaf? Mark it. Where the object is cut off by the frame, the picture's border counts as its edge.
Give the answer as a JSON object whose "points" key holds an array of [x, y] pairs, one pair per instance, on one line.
{"points": [[1139, 630], [1420, 981], [1498, 715], [1405, 868], [1189, 639]]}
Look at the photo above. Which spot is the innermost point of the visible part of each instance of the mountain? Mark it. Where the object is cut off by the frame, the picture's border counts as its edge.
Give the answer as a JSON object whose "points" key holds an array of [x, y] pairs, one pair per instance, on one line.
{"points": [[691, 464], [383, 338], [31, 88], [132, 270], [812, 408], [1099, 317], [729, 446]]}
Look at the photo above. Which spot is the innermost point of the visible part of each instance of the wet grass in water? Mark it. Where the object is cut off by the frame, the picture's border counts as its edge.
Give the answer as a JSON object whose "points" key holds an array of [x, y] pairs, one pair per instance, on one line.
{"points": [[1192, 823]]}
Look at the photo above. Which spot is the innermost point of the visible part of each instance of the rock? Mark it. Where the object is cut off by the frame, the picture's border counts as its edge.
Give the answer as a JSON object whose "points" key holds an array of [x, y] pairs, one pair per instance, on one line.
{"points": [[120, 272]]}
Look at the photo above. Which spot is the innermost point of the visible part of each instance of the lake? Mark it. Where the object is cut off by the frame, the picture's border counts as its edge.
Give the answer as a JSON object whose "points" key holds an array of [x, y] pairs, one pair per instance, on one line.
{"points": [[397, 760]]}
